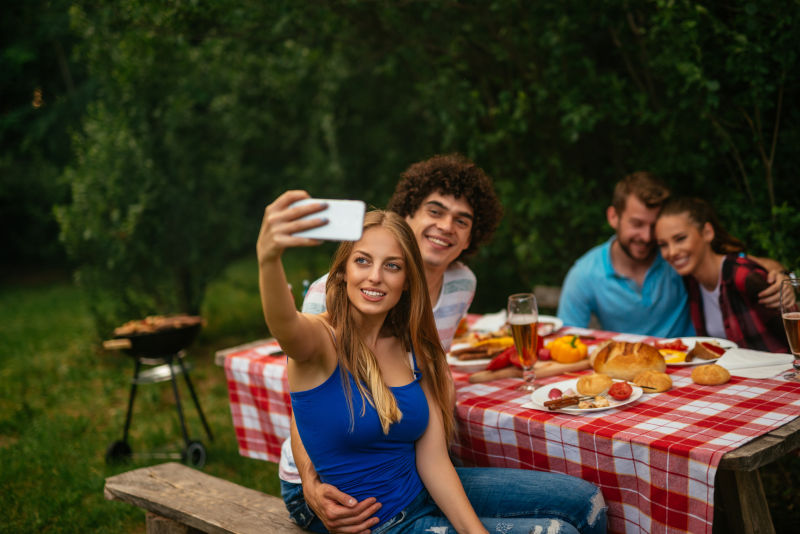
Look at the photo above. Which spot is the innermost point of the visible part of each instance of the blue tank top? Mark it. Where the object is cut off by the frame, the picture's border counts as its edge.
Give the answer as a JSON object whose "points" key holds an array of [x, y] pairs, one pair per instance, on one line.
{"points": [[362, 461]]}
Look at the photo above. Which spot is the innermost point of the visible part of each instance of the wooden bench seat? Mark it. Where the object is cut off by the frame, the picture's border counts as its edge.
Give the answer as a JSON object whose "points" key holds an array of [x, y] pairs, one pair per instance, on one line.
{"points": [[180, 499]]}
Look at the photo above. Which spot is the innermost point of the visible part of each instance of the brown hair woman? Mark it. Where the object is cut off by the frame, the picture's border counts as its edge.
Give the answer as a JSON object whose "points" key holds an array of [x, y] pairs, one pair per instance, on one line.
{"points": [[722, 283]]}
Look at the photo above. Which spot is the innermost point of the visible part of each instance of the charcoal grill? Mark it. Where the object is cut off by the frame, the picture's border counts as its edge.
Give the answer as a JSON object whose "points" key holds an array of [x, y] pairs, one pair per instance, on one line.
{"points": [[163, 351]]}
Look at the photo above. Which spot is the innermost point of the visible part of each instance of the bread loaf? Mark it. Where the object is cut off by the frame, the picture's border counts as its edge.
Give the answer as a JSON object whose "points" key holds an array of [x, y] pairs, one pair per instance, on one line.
{"points": [[653, 381], [625, 361], [710, 375]]}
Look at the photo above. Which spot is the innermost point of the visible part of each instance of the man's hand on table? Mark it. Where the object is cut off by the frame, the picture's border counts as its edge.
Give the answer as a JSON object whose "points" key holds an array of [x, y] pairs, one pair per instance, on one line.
{"points": [[339, 512]]}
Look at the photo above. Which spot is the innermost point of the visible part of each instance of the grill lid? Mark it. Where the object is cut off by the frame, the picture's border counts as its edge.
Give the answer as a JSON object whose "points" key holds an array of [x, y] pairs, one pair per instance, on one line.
{"points": [[158, 335]]}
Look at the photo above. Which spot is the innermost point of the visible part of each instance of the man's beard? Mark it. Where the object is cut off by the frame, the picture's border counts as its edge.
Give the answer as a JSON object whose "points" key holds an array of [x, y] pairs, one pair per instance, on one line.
{"points": [[626, 249]]}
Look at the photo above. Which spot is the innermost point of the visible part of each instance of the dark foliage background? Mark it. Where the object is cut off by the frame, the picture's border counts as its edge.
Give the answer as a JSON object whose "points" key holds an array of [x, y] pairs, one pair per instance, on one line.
{"points": [[167, 126], [140, 141]]}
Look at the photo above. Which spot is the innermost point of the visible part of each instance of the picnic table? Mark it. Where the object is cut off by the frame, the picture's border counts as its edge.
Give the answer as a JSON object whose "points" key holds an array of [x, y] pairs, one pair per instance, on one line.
{"points": [[665, 463]]}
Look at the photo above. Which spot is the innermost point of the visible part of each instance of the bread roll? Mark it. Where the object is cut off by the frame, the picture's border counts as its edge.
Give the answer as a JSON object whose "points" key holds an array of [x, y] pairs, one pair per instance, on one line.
{"points": [[625, 361], [710, 375], [593, 384], [653, 381]]}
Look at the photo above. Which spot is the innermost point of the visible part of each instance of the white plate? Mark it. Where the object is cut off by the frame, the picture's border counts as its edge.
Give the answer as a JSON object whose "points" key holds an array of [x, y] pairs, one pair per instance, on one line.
{"points": [[690, 343], [492, 322], [489, 322], [548, 325], [466, 366], [539, 397]]}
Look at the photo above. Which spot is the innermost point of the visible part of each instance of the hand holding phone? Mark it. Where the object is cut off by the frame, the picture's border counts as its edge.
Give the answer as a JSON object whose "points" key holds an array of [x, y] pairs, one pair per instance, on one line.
{"points": [[345, 219]]}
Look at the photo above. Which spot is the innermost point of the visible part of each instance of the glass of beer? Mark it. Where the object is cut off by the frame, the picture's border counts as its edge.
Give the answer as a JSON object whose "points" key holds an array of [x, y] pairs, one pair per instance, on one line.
{"points": [[523, 316], [790, 296]]}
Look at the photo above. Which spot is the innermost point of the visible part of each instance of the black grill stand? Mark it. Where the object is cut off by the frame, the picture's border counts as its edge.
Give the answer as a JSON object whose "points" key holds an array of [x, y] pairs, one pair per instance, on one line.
{"points": [[166, 368]]}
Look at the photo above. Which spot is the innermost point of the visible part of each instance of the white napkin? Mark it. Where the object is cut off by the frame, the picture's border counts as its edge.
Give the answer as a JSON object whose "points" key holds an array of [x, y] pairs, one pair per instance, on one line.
{"points": [[755, 363], [490, 322], [269, 350]]}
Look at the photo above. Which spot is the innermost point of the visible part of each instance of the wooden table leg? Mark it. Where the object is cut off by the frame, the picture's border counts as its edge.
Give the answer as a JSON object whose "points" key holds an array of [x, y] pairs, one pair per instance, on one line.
{"points": [[740, 505]]}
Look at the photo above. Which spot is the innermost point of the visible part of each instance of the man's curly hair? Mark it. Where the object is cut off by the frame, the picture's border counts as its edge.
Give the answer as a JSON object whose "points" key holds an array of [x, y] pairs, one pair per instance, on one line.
{"points": [[451, 174]]}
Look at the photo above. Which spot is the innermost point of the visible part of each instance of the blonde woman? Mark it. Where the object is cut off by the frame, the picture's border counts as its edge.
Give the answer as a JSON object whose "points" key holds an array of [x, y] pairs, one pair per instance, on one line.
{"points": [[369, 383]]}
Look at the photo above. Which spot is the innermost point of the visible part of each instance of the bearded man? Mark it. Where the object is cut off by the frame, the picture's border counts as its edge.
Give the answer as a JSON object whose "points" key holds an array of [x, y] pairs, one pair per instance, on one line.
{"points": [[625, 283]]}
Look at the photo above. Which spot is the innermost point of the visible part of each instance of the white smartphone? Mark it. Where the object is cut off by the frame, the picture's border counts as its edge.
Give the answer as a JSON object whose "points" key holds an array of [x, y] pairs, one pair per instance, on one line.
{"points": [[345, 219]]}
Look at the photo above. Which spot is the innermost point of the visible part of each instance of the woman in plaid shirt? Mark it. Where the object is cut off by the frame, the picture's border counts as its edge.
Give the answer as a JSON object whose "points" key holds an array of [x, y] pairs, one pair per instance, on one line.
{"points": [[722, 283]]}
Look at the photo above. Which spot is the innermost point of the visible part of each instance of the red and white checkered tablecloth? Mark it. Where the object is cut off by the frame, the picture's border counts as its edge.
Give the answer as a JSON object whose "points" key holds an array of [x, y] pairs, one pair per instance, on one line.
{"points": [[655, 459], [259, 396]]}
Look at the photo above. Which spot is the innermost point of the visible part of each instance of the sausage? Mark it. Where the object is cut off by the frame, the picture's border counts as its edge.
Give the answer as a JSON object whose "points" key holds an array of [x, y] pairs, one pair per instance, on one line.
{"points": [[562, 402]]}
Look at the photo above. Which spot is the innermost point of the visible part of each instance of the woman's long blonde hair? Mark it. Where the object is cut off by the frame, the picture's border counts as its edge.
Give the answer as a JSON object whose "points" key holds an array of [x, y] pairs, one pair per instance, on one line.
{"points": [[411, 320]]}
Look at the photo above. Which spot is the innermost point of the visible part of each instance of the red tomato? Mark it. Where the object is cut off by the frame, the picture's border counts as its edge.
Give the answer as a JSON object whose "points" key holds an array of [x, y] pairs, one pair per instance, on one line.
{"points": [[544, 354], [672, 345], [620, 390]]}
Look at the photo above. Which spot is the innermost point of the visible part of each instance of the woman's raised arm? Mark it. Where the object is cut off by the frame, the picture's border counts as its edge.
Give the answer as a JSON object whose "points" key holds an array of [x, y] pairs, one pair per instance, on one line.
{"points": [[291, 328]]}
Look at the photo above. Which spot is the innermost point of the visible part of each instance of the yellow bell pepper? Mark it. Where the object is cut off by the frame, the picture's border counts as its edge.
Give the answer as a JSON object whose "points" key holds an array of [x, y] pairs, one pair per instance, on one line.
{"points": [[567, 349]]}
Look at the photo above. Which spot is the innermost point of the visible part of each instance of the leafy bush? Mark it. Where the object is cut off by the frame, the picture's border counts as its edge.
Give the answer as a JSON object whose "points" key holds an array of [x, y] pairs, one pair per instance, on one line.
{"points": [[205, 112]]}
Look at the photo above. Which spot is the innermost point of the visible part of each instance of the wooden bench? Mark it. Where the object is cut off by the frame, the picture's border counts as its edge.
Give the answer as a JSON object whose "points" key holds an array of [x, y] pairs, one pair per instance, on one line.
{"points": [[179, 499]]}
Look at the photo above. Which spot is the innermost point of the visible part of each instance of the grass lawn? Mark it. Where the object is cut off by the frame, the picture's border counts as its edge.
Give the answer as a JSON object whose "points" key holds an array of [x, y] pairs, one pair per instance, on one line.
{"points": [[63, 401]]}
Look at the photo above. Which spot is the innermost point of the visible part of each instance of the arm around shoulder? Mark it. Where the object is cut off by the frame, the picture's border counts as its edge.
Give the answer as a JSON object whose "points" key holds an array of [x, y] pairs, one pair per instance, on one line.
{"points": [[770, 296], [768, 264]]}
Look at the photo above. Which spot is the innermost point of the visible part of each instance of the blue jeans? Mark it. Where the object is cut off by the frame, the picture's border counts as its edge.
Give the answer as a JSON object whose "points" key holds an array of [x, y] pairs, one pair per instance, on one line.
{"points": [[299, 510], [508, 501]]}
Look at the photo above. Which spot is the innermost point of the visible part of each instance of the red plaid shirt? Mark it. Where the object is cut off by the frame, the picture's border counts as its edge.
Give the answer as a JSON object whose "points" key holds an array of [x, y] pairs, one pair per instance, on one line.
{"points": [[747, 323]]}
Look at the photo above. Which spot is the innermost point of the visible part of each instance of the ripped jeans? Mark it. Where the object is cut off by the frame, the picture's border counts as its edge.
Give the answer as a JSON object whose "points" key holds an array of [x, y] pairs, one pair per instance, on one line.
{"points": [[508, 501]]}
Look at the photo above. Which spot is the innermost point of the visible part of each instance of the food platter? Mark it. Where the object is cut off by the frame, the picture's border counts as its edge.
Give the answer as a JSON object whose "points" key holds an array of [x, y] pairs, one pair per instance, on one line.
{"points": [[541, 395], [547, 325], [690, 342], [495, 321], [466, 366]]}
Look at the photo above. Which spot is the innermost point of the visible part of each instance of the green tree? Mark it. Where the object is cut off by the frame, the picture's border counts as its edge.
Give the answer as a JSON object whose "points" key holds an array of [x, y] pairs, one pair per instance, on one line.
{"points": [[205, 111], [42, 96]]}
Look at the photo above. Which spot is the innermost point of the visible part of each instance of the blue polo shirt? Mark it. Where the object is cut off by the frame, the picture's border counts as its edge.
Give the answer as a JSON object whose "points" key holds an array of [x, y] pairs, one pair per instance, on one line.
{"points": [[659, 308]]}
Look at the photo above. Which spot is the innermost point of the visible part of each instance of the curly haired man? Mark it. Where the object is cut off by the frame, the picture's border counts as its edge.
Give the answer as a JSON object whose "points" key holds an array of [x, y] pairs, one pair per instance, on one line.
{"points": [[451, 206]]}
